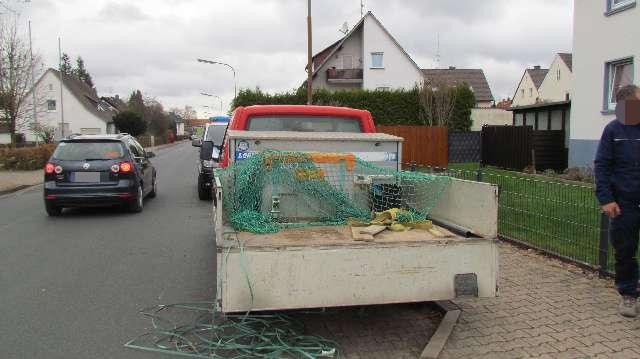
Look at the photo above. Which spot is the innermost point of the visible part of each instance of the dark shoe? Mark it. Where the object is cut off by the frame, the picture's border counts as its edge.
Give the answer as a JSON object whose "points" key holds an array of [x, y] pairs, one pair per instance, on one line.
{"points": [[628, 307]]}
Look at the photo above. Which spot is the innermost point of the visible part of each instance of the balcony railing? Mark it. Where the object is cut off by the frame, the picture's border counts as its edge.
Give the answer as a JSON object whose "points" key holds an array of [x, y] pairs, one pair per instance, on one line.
{"points": [[344, 75]]}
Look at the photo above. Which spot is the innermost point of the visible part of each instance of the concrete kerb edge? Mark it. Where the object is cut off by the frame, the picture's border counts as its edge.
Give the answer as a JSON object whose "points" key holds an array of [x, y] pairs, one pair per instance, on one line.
{"points": [[436, 344], [18, 190], [24, 188]]}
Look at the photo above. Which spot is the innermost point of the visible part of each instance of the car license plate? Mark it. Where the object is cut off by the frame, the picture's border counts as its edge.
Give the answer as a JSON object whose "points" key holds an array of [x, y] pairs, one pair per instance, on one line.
{"points": [[87, 177]]}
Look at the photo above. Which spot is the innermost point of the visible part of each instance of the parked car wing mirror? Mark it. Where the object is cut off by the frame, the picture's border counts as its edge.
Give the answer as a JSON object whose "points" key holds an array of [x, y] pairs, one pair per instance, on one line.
{"points": [[196, 142], [150, 154]]}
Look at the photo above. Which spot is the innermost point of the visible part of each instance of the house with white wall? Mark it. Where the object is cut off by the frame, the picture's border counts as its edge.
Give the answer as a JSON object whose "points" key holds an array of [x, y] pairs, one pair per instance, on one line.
{"points": [[369, 57], [558, 83], [543, 96], [70, 107], [606, 54], [527, 93]]}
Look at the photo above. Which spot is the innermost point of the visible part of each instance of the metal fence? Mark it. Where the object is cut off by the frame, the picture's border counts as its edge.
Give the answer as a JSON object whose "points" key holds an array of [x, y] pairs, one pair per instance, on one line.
{"points": [[465, 146], [558, 217]]}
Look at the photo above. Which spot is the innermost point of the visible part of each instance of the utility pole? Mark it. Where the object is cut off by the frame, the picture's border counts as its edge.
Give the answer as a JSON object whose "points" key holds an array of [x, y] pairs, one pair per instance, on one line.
{"points": [[61, 83], [437, 50], [309, 57], [33, 81]]}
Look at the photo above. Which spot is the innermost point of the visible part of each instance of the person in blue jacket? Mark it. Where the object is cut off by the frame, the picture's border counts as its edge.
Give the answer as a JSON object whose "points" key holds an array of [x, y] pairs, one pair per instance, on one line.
{"points": [[617, 172]]}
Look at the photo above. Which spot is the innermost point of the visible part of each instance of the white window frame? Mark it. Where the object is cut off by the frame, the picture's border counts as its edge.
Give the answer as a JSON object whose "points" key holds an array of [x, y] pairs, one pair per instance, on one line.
{"points": [[611, 5], [373, 65], [610, 67], [347, 58]]}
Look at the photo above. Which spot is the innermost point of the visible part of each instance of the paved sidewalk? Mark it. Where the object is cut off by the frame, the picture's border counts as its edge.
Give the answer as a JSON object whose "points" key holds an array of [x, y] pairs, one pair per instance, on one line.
{"points": [[546, 309], [10, 180]]}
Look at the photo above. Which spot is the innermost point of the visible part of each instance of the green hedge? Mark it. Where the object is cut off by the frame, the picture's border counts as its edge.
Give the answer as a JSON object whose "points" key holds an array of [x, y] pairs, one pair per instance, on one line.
{"points": [[396, 107], [27, 158]]}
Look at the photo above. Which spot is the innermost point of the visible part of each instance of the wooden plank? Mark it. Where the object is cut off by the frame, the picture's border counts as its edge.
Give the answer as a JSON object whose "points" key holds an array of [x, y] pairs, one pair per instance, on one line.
{"points": [[439, 339]]}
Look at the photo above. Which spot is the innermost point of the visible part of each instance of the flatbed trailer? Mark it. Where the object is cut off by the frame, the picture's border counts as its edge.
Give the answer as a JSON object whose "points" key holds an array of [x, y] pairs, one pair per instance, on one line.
{"points": [[316, 267]]}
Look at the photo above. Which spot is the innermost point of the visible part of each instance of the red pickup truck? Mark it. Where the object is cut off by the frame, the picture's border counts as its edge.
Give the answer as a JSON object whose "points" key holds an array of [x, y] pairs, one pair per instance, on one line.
{"points": [[298, 118]]}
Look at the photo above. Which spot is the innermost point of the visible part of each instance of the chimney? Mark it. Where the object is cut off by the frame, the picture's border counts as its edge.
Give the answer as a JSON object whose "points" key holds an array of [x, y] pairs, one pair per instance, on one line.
{"points": [[537, 67], [452, 67]]}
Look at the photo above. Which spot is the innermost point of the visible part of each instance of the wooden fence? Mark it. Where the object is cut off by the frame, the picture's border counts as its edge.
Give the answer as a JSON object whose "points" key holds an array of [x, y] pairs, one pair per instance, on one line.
{"points": [[426, 146], [514, 148]]}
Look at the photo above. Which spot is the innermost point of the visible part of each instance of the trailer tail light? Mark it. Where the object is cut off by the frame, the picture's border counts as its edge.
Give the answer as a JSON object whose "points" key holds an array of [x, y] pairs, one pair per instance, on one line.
{"points": [[126, 167], [49, 168]]}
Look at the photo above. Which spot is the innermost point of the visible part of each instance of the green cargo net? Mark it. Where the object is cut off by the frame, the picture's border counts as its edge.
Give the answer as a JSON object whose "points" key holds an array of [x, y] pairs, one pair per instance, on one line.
{"points": [[273, 190]]}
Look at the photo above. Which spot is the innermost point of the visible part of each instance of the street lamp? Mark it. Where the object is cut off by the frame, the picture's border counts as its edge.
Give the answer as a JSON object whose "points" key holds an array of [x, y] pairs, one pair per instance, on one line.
{"points": [[235, 85], [211, 95]]}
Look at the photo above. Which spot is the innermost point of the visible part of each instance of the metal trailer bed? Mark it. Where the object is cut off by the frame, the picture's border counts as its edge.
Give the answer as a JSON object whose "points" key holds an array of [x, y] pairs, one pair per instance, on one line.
{"points": [[317, 267]]}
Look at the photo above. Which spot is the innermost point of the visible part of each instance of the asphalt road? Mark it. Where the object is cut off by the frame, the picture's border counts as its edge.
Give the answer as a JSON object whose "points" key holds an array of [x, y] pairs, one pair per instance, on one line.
{"points": [[71, 287]]}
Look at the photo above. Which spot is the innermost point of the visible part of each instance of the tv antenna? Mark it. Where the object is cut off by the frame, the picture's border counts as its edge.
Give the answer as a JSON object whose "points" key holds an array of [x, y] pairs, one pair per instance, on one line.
{"points": [[345, 28]]}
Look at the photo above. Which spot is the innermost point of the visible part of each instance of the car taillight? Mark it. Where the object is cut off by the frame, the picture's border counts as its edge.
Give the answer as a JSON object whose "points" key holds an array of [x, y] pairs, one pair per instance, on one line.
{"points": [[49, 168], [57, 170], [126, 167], [115, 168]]}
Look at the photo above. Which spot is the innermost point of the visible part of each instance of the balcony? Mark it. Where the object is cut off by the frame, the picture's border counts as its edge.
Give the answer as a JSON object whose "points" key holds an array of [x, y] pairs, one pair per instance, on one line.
{"points": [[345, 76]]}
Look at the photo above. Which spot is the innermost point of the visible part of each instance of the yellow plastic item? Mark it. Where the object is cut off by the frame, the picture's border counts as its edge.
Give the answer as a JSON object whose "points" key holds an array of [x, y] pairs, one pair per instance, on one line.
{"points": [[397, 227]]}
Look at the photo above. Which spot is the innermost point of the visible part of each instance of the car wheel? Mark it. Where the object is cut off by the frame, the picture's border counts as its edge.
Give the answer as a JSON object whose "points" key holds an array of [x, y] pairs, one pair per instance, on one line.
{"points": [[52, 210], [203, 193], [137, 204], [154, 188]]}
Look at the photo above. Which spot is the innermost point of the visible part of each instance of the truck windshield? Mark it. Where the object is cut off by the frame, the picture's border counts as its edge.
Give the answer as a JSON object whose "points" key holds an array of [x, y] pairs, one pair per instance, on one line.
{"points": [[304, 124], [81, 151], [215, 134]]}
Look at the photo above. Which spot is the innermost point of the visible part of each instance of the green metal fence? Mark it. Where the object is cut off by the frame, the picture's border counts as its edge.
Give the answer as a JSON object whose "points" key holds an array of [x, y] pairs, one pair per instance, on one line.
{"points": [[559, 217]]}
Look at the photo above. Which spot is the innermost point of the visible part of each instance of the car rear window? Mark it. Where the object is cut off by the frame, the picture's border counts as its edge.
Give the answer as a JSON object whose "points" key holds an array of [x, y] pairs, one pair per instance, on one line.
{"points": [[304, 124], [82, 151], [215, 133]]}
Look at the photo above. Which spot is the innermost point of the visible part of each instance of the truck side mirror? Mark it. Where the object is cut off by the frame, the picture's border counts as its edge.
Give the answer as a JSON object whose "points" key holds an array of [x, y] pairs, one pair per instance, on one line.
{"points": [[215, 154], [196, 142]]}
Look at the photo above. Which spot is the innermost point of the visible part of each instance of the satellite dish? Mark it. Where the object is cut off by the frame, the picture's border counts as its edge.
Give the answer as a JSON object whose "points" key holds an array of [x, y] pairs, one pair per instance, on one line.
{"points": [[345, 28]]}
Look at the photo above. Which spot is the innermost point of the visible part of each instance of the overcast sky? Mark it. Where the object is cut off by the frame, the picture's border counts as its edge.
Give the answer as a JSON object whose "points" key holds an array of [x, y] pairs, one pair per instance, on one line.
{"points": [[152, 45]]}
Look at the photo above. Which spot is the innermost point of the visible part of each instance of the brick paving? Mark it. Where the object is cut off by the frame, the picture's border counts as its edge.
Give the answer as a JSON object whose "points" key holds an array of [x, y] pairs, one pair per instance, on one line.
{"points": [[546, 309], [376, 332]]}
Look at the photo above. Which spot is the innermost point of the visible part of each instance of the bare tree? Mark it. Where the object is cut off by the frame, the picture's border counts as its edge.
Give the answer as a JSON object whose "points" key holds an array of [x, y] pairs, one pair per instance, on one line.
{"points": [[16, 70], [438, 100]]}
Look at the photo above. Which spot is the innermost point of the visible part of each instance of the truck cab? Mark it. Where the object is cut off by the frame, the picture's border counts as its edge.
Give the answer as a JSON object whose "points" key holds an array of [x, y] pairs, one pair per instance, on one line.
{"points": [[296, 118]]}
